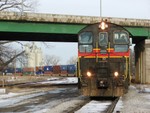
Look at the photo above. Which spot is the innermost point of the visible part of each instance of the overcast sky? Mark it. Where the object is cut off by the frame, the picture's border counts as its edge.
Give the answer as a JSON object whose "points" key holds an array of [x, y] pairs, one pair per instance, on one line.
{"points": [[110, 8]]}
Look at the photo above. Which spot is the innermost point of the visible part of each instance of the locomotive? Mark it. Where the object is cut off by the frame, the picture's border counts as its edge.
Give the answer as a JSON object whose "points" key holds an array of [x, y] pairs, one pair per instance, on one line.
{"points": [[103, 60]]}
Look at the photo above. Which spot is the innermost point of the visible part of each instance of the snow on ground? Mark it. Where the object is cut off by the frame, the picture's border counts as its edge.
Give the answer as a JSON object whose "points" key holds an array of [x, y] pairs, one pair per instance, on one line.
{"points": [[10, 102], [65, 80], [119, 105], [42, 108], [143, 89], [11, 99], [138, 95], [3, 96], [53, 80], [94, 107], [63, 107]]}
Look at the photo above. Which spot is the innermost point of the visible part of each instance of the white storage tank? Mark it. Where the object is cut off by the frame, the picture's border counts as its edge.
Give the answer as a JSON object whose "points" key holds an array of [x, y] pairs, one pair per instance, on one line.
{"points": [[38, 57], [34, 55]]}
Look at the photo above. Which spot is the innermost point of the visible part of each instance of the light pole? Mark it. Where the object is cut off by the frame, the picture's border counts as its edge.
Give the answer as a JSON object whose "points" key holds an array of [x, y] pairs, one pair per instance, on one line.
{"points": [[21, 7], [101, 8]]}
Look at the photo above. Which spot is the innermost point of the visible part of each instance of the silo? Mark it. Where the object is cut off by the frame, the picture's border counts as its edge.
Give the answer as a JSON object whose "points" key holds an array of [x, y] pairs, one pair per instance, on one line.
{"points": [[34, 55], [38, 55], [31, 59]]}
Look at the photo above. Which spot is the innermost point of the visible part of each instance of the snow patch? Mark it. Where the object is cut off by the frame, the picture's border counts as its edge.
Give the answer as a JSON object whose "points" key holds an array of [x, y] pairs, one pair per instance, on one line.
{"points": [[67, 80], [143, 89], [94, 107], [118, 106]]}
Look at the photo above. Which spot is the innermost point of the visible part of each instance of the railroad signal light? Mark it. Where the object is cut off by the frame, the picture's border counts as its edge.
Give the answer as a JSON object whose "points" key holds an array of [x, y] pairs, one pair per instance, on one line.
{"points": [[103, 25]]}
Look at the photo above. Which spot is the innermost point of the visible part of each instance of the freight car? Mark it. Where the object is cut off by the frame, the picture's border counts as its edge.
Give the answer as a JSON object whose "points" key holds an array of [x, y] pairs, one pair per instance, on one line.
{"points": [[103, 60], [55, 70]]}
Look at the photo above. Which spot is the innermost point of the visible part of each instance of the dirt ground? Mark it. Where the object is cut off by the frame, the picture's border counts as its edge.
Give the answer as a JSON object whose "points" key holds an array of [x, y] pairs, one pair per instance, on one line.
{"points": [[20, 79]]}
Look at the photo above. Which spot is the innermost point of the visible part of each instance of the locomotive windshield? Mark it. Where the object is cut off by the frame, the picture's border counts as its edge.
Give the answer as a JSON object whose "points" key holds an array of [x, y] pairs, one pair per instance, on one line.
{"points": [[121, 38], [121, 41], [103, 39], [85, 42], [85, 38], [121, 48], [85, 48]]}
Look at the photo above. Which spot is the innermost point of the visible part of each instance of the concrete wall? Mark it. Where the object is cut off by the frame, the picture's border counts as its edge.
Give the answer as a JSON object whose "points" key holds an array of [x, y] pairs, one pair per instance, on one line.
{"points": [[142, 52]]}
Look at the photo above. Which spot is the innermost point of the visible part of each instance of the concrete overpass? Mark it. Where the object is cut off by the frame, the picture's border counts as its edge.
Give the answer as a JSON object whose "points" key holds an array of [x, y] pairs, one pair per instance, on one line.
{"points": [[64, 28], [52, 27]]}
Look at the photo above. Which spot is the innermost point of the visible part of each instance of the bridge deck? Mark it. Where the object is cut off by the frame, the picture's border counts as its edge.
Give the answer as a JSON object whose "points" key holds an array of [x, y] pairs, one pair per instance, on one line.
{"points": [[55, 18], [52, 27]]}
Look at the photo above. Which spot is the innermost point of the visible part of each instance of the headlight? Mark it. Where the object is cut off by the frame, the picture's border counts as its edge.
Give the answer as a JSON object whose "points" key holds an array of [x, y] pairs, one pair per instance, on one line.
{"points": [[103, 25], [116, 74], [101, 82], [88, 74]]}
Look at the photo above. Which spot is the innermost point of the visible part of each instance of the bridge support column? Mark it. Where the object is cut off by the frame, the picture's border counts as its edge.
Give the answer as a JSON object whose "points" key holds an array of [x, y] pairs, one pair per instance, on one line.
{"points": [[139, 69], [147, 61], [142, 62]]}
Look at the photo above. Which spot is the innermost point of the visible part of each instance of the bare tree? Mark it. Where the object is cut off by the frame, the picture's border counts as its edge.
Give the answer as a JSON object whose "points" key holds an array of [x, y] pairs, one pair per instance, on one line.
{"points": [[51, 60], [7, 54], [17, 5], [72, 60], [22, 60]]}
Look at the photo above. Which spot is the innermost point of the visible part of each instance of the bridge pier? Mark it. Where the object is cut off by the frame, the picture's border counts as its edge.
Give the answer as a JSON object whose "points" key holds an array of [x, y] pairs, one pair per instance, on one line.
{"points": [[142, 62]]}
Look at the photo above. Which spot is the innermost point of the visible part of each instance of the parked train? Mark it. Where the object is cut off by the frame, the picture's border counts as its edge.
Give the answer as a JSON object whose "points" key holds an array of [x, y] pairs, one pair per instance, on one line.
{"points": [[56, 70], [103, 60]]}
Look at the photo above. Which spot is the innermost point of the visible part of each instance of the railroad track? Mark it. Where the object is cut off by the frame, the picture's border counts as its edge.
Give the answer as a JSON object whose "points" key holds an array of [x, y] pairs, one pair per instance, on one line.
{"points": [[97, 105], [112, 106]]}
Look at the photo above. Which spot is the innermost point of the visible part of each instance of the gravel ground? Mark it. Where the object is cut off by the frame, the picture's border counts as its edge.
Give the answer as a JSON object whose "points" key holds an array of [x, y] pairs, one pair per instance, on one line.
{"points": [[137, 100], [21, 79], [65, 107]]}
